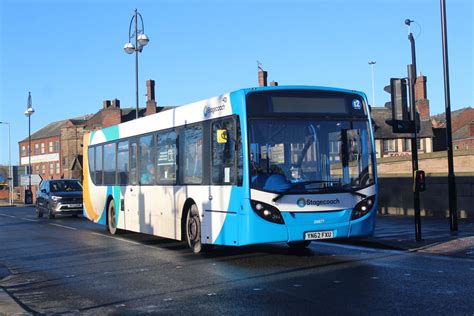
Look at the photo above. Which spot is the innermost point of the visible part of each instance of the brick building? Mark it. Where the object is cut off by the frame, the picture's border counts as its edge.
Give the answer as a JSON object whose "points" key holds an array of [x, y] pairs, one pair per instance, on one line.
{"points": [[57, 147], [45, 151], [462, 127]]}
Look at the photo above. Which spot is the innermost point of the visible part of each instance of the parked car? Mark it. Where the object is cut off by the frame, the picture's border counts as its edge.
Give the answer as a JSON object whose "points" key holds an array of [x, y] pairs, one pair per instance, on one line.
{"points": [[59, 196]]}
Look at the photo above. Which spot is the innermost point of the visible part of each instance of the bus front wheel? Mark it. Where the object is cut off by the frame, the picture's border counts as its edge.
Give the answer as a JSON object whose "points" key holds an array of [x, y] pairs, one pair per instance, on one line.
{"points": [[111, 218], [193, 229]]}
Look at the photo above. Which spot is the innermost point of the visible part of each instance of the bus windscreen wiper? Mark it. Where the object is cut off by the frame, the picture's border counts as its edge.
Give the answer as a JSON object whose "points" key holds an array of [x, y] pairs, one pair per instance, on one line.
{"points": [[282, 194], [354, 192]]}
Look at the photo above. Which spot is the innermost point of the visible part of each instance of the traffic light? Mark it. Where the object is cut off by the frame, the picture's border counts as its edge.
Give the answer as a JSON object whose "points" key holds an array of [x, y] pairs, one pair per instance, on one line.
{"points": [[400, 121], [398, 92], [419, 181]]}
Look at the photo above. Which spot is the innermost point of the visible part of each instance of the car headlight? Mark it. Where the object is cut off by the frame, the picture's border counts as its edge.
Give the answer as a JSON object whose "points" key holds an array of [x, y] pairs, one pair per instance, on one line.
{"points": [[363, 207], [56, 198], [267, 212]]}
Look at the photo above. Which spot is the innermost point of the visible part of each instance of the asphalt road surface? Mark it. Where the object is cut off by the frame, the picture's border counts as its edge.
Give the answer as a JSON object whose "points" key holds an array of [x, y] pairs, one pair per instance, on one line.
{"points": [[72, 266]]}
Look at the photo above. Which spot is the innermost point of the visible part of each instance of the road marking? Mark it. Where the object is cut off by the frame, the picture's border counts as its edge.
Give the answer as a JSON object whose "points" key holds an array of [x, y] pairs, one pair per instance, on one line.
{"points": [[8, 215], [63, 226], [29, 219], [121, 239]]}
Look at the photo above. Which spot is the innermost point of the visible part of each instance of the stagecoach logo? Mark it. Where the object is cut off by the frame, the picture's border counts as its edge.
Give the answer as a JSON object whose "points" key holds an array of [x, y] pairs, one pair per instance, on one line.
{"points": [[356, 104], [303, 202], [209, 110]]}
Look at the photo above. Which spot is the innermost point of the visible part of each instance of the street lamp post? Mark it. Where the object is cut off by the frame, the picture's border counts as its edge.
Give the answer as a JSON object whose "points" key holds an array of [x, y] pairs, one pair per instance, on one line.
{"points": [[372, 63], [414, 140], [10, 177], [141, 40], [28, 113], [453, 208]]}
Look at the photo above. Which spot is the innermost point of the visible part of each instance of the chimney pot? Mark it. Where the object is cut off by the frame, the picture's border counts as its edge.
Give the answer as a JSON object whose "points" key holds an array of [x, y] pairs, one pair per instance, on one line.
{"points": [[106, 104], [273, 83], [150, 90], [116, 103], [262, 78]]}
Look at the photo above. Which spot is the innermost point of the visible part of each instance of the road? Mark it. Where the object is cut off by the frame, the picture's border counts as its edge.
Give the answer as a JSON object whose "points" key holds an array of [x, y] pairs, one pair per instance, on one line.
{"points": [[71, 266]]}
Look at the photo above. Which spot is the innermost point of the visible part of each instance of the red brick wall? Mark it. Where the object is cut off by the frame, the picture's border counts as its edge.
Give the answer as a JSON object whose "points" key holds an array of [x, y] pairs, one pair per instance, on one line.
{"points": [[462, 119], [111, 116], [38, 168], [423, 107]]}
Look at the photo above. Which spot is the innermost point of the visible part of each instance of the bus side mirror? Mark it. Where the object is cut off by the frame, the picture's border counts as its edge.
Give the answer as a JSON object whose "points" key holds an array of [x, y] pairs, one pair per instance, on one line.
{"points": [[221, 136]]}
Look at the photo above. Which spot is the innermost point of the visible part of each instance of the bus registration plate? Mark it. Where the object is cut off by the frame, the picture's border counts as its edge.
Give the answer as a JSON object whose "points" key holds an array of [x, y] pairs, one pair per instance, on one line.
{"points": [[318, 235]]}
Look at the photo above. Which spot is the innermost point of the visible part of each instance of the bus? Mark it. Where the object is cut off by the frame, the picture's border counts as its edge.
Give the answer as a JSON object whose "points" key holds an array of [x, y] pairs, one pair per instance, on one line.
{"points": [[287, 164]]}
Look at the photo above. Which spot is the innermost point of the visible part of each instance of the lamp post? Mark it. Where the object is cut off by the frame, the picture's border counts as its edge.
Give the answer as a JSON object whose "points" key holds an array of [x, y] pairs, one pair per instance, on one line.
{"points": [[141, 40], [453, 208], [372, 63], [28, 113], [10, 179], [414, 143]]}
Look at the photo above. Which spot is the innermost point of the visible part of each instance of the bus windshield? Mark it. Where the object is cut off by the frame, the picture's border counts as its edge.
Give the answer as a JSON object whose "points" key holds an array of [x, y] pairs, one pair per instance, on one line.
{"points": [[294, 155]]}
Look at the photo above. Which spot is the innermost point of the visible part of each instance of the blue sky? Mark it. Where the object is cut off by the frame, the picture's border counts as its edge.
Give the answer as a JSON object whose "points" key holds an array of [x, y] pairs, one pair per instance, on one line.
{"points": [[69, 54]]}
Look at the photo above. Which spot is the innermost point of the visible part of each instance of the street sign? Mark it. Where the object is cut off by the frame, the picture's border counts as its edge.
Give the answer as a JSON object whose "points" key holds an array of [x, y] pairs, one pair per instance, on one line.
{"points": [[35, 179]]}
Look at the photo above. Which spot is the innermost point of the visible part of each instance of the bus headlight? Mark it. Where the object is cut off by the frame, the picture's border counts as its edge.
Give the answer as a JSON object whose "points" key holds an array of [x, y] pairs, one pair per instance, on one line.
{"points": [[363, 207], [56, 198], [267, 212]]}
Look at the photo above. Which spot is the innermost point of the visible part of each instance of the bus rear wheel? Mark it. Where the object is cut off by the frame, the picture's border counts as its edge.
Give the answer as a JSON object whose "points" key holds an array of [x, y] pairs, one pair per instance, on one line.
{"points": [[111, 218], [193, 229]]}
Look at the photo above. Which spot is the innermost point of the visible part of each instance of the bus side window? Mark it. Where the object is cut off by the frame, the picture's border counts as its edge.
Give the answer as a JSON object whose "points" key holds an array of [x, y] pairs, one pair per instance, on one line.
{"points": [[98, 165], [147, 161], [191, 170], [91, 154], [133, 162], [109, 163], [223, 153], [166, 154], [122, 162]]}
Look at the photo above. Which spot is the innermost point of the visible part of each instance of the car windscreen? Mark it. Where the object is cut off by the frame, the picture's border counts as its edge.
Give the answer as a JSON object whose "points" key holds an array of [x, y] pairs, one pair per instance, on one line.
{"points": [[65, 186]]}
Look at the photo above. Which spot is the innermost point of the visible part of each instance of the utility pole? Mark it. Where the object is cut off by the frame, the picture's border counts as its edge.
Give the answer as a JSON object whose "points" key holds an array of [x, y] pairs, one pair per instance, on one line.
{"points": [[453, 209]]}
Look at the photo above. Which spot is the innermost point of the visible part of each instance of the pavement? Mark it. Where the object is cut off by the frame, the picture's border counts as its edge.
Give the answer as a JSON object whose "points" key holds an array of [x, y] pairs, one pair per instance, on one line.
{"points": [[391, 232], [398, 233]]}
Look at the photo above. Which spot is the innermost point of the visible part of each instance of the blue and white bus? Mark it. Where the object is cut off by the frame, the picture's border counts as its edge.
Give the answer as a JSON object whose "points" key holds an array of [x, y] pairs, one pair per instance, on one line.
{"points": [[262, 165]]}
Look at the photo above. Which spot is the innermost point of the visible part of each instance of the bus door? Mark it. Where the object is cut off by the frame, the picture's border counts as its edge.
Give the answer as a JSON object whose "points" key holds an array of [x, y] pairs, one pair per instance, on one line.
{"points": [[131, 210]]}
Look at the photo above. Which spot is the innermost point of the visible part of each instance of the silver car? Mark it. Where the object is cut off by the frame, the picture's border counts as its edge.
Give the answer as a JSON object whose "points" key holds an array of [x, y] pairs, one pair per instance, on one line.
{"points": [[61, 196]]}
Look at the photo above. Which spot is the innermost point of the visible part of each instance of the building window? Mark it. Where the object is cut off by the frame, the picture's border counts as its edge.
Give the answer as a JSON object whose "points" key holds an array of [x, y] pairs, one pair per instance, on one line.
{"points": [[50, 147], [42, 148], [37, 167], [51, 168], [56, 146], [36, 149], [43, 169], [57, 168], [389, 145], [23, 150], [407, 144]]}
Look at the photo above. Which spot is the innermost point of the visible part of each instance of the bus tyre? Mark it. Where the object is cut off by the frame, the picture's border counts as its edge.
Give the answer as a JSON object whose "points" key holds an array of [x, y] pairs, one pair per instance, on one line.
{"points": [[193, 229], [299, 244], [111, 218]]}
